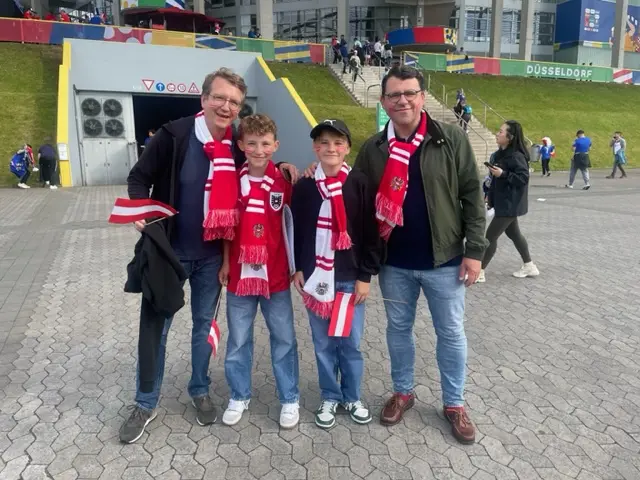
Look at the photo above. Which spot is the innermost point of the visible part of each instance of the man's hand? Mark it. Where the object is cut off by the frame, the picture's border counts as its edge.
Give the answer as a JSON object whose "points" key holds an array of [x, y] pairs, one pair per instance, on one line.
{"points": [[223, 274], [496, 171], [298, 282], [140, 224], [291, 171], [310, 171], [362, 291], [469, 271]]}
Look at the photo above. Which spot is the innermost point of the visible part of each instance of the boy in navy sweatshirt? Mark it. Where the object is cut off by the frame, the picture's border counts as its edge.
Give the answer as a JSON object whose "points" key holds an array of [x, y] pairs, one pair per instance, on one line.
{"points": [[337, 250]]}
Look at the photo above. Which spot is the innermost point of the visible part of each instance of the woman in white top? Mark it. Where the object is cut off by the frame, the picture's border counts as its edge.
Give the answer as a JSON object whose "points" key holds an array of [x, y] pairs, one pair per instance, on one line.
{"points": [[618, 146]]}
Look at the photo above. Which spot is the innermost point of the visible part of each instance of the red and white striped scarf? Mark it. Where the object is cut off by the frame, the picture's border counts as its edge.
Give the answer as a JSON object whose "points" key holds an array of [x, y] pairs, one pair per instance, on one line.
{"points": [[254, 225], [331, 235], [395, 179], [221, 190]]}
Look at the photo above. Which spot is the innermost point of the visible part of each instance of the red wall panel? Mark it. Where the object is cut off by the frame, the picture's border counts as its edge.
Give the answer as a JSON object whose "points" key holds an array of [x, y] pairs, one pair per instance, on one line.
{"points": [[489, 66], [317, 53], [428, 34], [36, 32], [10, 30]]}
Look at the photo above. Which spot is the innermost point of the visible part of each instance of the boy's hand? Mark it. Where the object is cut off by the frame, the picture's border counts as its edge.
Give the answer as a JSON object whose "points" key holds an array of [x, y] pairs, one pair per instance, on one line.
{"points": [[362, 291], [223, 274], [291, 171], [310, 171], [298, 282]]}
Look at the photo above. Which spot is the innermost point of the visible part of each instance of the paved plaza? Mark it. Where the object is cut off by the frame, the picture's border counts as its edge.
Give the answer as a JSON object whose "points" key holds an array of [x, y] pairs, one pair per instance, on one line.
{"points": [[554, 362]]}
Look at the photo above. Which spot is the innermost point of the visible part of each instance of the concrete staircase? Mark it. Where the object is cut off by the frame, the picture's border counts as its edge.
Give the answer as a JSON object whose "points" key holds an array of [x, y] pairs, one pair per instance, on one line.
{"points": [[366, 91]]}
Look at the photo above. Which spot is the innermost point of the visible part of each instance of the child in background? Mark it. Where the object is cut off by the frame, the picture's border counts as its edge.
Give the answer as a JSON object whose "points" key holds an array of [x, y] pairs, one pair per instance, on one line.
{"points": [[256, 272], [547, 150], [337, 249]]}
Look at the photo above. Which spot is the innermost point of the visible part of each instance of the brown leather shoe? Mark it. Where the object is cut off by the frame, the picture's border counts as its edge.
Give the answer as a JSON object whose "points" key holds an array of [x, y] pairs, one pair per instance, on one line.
{"points": [[461, 426], [395, 407]]}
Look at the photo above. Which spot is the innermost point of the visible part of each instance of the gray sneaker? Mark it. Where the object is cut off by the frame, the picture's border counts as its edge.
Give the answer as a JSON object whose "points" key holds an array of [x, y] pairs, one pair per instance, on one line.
{"points": [[205, 410], [133, 428]]}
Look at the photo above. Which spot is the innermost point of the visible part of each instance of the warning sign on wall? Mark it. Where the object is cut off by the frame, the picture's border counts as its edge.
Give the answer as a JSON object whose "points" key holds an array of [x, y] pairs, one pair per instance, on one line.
{"points": [[170, 87]]}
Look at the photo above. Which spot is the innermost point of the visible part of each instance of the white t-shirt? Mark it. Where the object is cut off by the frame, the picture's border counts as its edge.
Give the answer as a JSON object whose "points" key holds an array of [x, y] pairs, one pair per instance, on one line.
{"points": [[377, 47]]}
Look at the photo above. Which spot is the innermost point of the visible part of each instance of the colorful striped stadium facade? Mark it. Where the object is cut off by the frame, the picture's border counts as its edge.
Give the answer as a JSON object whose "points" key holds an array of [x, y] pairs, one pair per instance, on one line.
{"points": [[422, 36], [456, 63], [53, 33]]}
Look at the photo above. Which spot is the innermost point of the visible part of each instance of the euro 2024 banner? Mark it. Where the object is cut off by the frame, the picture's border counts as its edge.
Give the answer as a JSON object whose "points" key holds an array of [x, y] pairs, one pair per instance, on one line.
{"points": [[598, 18]]}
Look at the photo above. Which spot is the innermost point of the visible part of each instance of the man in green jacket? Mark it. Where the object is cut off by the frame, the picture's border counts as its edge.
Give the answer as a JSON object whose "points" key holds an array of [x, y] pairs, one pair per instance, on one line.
{"points": [[431, 214]]}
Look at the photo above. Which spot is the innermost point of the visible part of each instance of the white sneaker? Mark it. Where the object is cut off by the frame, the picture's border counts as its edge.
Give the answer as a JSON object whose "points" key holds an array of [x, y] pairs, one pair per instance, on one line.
{"points": [[289, 415], [53, 187], [233, 413], [527, 270], [326, 414], [568, 186], [358, 412], [23, 185], [47, 183]]}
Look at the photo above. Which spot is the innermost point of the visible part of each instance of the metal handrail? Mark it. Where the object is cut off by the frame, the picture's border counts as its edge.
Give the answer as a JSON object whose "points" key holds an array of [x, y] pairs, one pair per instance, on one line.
{"points": [[469, 127], [366, 98], [487, 107]]}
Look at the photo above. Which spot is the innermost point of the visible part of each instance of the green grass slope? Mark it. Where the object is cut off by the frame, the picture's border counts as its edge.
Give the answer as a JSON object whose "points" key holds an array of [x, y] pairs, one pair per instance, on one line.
{"points": [[28, 99], [326, 98], [555, 108]]}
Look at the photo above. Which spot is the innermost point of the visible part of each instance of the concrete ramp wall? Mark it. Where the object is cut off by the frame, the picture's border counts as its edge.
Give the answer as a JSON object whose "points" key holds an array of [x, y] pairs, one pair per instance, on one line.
{"points": [[281, 102]]}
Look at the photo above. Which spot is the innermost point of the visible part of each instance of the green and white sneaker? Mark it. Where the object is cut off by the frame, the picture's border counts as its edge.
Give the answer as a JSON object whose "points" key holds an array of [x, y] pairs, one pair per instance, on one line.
{"points": [[326, 414], [358, 412]]}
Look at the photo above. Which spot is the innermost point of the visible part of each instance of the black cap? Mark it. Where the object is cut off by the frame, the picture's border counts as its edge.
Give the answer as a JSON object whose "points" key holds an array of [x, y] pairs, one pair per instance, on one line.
{"points": [[336, 125]]}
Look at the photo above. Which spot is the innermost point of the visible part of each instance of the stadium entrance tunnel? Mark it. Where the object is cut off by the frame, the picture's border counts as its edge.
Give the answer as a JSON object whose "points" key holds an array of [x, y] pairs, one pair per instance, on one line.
{"points": [[150, 112], [106, 109]]}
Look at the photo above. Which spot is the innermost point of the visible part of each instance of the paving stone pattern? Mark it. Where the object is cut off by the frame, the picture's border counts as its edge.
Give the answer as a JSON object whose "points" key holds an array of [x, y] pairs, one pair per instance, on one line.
{"points": [[553, 381]]}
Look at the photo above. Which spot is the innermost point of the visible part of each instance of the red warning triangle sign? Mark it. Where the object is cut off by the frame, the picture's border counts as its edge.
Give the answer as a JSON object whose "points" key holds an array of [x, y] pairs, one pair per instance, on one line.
{"points": [[148, 83], [193, 88]]}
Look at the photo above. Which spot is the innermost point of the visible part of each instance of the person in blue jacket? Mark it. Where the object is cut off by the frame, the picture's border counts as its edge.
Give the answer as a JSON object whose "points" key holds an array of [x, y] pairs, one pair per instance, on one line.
{"points": [[547, 150]]}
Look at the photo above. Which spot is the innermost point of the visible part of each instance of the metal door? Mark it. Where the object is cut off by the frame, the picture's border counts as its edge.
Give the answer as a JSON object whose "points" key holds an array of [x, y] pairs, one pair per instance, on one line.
{"points": [[95, 163], [118, 163], [107, 129]]}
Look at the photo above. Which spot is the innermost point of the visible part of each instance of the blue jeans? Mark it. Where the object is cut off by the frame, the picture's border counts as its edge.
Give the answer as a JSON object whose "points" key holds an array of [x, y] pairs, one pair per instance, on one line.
{"points": [[339, 354], [278, 313], [205, 288], [445, 296]]}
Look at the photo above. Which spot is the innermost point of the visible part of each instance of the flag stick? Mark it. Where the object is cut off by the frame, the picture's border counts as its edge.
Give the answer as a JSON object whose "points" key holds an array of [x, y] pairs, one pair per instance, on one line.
{"points": [[215, 313], [388, 300], [156, 220]]}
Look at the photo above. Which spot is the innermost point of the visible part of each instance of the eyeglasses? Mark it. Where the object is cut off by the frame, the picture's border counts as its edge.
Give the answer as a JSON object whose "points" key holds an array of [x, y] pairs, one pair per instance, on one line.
{"points": [[219, 101], [410, 95]]}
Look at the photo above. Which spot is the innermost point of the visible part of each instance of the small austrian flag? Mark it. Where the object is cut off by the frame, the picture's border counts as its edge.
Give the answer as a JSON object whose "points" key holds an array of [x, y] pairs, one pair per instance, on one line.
{"points": [[126, 210], [214, 331], [214, 337], [342, 315]]}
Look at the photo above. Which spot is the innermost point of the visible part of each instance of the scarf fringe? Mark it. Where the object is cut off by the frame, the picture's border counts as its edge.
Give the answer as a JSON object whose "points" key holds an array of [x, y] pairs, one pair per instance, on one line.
{"points": [[252, 286], [322, 309], [253, 254], [389, 210], [385, 230], [220, 233], [340, 241], [222, 218]]}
